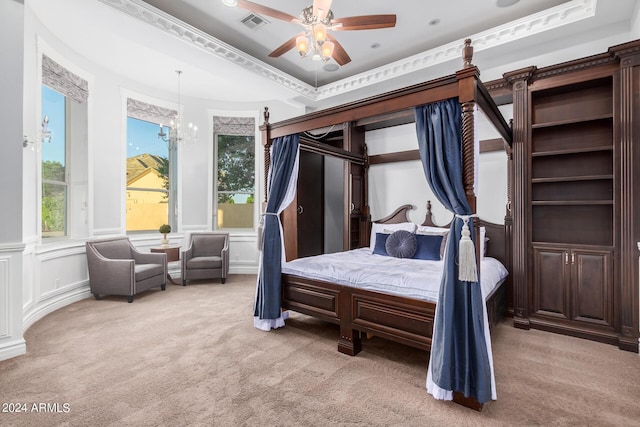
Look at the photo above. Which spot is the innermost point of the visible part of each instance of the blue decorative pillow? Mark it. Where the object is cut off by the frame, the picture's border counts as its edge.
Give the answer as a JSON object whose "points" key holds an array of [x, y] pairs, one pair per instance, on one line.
{"points": [[428, 247], [401, 244], [379, 248]]}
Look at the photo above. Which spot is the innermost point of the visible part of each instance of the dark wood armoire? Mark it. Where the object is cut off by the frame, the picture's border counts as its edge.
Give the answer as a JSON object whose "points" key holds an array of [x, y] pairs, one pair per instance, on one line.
{"points": [[576, 196], [303, 220]]}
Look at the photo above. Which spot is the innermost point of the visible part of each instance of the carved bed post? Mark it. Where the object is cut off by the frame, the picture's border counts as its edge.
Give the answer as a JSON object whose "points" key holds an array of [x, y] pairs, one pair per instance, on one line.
{"points": [[467, 86], [266, 141], [467, 93]]}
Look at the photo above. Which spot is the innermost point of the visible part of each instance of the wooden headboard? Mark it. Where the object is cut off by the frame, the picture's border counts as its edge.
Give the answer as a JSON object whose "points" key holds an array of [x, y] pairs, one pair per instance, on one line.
{"points": [[497, 247]]}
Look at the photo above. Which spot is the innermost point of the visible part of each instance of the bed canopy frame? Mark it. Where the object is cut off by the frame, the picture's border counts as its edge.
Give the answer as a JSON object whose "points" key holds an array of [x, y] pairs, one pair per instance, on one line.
{"points": [[397, 107], [342, 306]]}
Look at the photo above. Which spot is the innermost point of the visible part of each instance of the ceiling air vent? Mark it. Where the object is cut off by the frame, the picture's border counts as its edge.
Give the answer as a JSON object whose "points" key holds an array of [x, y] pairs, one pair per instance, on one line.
{"points": [[254, 21]]}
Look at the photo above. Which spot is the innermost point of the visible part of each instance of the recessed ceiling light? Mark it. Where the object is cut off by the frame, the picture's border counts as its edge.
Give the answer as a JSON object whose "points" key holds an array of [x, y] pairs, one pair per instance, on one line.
{"points": [[506, 3], [434, 21], [330, 67], [231, 3]]}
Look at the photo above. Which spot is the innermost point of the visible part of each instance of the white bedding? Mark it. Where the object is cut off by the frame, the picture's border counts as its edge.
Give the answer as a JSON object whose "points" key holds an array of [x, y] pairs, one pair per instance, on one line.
{"points": [[413, 278]]}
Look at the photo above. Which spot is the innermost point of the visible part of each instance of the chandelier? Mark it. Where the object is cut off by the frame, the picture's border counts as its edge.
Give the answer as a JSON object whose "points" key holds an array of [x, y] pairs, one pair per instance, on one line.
{"points": [[44, 135], [176, 132], [314, 40]]}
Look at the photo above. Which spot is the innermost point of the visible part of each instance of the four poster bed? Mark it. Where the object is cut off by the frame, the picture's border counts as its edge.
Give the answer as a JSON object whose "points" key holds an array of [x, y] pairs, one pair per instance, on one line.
{"points": [[386, 312], [405, 319]]}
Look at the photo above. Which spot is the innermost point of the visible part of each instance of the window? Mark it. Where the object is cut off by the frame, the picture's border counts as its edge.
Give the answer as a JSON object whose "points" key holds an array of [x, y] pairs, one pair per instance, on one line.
{"points": [[151, 163], [63, 143], [54, 165], [235, 172]]}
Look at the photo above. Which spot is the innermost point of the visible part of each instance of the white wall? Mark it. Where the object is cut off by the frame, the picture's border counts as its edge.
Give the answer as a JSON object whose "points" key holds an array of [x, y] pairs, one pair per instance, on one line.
{"points": [[11, 176], [39, 277], [394, 184]]}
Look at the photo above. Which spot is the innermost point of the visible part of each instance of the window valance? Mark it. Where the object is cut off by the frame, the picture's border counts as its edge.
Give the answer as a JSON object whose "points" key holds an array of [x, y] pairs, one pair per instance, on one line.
{"points": [[241, 126], [150, 113], [64, 81]]}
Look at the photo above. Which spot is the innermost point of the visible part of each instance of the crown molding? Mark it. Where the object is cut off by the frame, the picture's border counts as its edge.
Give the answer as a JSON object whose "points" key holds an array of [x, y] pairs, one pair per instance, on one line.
{"points": [[556, 17], [181, 30]]}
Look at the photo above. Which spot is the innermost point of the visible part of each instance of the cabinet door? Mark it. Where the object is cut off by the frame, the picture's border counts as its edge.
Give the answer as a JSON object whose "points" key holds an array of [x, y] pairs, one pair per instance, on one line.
{"points": [[551, 282], [310, 208], [592, 290]]}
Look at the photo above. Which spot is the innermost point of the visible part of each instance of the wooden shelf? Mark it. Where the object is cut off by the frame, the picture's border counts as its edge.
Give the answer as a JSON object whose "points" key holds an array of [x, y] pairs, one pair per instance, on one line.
{"points": [[571, 151], [571, 178], [572, 121], [570, 202], [564, 245]]}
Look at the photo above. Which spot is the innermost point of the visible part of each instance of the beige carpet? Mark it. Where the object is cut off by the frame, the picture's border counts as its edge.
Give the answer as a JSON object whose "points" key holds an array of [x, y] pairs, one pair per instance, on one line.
{"points": [[190, 356]]}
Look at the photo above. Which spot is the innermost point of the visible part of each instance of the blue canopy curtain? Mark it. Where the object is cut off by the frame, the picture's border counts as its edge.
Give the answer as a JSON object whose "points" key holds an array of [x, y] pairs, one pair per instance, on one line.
{"points": [[460, 349], [281, 188]]}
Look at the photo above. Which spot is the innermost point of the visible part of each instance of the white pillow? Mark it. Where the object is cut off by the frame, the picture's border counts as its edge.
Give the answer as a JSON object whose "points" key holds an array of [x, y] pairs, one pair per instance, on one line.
{"points": [[432, 231], [388, 229], [435, 231]]}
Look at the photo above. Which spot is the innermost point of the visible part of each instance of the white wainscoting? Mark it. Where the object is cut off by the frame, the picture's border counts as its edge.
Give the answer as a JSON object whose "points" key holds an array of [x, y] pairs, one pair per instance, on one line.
{"points": [[12, 343], [58, 277], [38, 279]]}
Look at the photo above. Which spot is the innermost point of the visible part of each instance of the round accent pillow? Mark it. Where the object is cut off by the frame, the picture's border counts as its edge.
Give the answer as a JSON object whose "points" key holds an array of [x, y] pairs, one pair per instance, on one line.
{"points": [[401, 244]]}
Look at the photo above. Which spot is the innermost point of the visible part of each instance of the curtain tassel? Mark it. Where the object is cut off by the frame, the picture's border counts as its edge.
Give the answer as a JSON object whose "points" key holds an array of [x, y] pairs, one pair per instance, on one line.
{"points": [[467, 267]]}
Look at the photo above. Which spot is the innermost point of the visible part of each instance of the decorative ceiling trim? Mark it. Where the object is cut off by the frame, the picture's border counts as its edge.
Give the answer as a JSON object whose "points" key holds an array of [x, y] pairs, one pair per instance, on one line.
{"points": [[564, 14], [169, 24], [549, 19]]}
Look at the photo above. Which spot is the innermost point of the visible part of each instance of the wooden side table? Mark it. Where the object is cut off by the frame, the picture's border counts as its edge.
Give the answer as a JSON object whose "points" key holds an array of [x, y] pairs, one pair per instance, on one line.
{"points": [[173, 254]]}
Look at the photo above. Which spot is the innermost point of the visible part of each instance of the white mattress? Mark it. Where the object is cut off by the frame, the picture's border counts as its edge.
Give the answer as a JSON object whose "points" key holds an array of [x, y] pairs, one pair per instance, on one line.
{"points": [[413, 278]]}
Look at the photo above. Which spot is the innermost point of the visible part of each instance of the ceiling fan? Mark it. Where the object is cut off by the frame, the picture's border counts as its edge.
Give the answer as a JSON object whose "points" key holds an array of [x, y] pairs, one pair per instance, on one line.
{"points": [[317, 19]]}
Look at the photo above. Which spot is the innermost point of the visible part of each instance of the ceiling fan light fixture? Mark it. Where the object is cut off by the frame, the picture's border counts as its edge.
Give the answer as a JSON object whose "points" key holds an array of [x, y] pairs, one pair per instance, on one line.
{"points": [[327, 50], [320, 32], [317, 20], [302, 44]]}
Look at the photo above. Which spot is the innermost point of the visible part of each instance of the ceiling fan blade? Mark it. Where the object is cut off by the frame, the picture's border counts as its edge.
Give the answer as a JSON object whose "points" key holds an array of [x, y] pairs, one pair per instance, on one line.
{"points": [[339, 54], [365, 22], [285, 47], [323, 5], [266, 11]]}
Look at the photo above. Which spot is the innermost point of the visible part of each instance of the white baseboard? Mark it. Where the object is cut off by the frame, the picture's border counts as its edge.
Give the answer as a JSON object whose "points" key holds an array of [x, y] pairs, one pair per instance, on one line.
{"points": [[243, 270], [13, 349], [42, 308]]}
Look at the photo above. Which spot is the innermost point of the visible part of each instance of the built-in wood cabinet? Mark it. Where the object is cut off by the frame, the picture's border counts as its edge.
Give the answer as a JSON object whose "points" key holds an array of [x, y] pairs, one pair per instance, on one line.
{"points": [[572, 205], [575, 194], [573, 286]]}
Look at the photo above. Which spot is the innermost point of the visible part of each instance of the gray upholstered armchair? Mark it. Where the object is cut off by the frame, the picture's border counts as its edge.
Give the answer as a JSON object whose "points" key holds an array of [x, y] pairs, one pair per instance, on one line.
{"points": [[116, 267], [206, 256]]}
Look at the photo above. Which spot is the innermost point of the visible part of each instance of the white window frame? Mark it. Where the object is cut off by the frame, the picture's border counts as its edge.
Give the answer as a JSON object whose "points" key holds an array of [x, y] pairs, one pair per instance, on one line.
{"points": [[175, 195], [213, 170], [78, 217]]}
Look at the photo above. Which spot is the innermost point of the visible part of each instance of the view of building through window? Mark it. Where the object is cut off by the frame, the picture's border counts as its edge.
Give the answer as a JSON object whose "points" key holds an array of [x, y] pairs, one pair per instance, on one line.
{"points": [[148, 184], [236, 181], [54, 165]]}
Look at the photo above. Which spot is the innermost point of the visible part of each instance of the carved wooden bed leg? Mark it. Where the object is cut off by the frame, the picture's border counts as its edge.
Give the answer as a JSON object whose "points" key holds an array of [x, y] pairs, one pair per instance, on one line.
{"points": [[349, 342], [469, 402]]}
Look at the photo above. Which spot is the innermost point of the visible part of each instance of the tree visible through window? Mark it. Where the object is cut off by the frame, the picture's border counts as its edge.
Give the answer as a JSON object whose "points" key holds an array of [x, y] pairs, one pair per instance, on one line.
{"points": [[54, 162], [235, 181]]}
